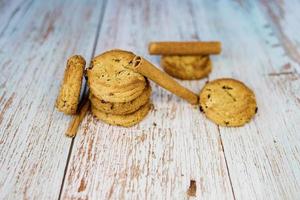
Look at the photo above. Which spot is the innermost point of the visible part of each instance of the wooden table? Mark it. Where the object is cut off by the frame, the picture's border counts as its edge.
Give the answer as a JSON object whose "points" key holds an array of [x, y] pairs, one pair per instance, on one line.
{"points": [[175, 144]]}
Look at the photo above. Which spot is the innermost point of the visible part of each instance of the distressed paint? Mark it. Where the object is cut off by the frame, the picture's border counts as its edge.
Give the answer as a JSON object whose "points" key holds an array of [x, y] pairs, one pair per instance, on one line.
{"points": [[158, 158], [34, 46], [263, 156]]}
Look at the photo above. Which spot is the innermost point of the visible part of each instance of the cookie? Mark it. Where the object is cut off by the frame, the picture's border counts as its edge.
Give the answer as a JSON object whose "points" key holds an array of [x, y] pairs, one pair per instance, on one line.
{"points": [[187, 67], [110, 81], [121, 108], [228, 102], [68, 97], [123, 120]]}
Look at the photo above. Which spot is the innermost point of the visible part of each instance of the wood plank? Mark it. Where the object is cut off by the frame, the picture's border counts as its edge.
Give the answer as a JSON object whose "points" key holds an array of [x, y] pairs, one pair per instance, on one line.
{"points": [[263, 156], [34, 49], [10, 11], [157, 158], [283, 22]]}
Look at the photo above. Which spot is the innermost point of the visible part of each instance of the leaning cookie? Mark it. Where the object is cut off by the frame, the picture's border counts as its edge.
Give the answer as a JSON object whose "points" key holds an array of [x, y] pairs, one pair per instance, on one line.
{"points": [[123, 120], [228, 102], [187, 67], [68, 97], [121, 108]]}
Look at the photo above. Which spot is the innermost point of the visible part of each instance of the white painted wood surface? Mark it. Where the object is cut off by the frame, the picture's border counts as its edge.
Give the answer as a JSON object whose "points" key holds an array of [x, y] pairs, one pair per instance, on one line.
{"points": [[175, 143], [263, 157], [33, 49]]}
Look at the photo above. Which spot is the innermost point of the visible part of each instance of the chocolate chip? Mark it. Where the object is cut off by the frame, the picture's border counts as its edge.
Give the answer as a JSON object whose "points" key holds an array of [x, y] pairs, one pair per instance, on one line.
{"points": [[121, 71], [208, 96], [256, 109], [201, 109], [226, 87]]}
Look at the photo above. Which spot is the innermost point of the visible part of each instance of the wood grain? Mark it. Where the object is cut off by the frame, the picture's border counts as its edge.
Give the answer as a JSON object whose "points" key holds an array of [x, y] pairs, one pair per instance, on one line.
{"points": [[175, 144], [263, 156], [11, 11], [34, 47]]}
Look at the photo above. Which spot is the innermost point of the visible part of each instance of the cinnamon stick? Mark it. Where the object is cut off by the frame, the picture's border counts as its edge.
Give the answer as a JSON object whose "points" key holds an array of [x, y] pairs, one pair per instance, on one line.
{"points": [[147, 69], [184, 48], [76, 120]]}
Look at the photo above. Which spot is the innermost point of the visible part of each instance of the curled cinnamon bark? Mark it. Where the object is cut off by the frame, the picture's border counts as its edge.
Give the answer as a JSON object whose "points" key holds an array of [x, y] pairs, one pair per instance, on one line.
{"points": [[184, 48]]}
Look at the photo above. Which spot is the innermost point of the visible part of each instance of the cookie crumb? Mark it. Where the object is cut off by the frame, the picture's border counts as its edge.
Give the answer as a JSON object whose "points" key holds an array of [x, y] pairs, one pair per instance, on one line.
{"points": [[192, 189], [256, 109], [154, 124]]}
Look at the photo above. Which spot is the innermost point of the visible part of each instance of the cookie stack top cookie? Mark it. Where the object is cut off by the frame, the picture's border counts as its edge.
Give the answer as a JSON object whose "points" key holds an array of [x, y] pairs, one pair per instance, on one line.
{"points": [[111, 81], [119, 96]]}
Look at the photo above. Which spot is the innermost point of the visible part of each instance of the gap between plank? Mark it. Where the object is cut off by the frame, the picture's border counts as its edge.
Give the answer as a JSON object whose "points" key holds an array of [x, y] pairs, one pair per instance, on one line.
{"points": [[101, 16], [227, 168], [228, 173], [66, 169]]}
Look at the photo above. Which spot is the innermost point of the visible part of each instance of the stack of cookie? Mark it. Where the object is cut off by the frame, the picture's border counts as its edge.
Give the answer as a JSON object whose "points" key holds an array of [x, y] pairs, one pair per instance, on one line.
{"points": [[119, 96], [185, 60]]}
